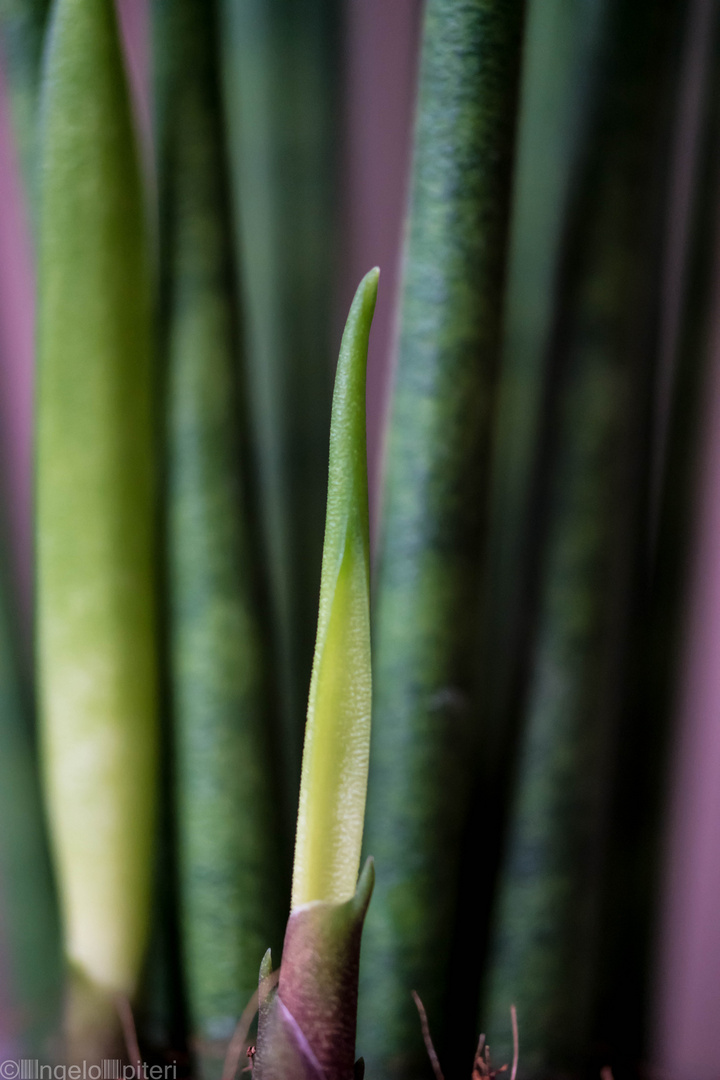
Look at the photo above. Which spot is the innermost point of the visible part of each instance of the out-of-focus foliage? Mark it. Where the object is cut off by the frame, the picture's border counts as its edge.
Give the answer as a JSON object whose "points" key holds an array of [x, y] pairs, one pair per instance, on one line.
{"points": [[540, 468], [96, 498], [232, 889], [425, 738]]}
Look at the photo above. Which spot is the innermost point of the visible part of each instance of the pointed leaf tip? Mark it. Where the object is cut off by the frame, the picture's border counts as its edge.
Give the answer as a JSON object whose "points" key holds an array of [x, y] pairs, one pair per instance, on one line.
{"points": [[337, 734], [266, 965], [365, 886]]}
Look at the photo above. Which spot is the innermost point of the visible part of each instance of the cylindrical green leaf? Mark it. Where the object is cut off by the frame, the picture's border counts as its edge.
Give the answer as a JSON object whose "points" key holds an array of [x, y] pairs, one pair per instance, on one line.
{"points": [[559, 78], [22, 27], [232, 886], [633, 878], [557, 102], [424, 752], [544, 946], [337, 735], [28, 913], [95, 501], [281, 99]]}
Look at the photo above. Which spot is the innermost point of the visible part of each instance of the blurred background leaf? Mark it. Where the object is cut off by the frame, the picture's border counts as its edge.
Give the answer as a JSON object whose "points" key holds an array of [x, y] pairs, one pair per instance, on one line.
{"points": [[232, 862], [582, 623]]}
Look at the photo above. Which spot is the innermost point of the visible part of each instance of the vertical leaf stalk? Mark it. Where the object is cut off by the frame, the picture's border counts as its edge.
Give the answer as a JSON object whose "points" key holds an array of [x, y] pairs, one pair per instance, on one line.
{"points": [[544, 954], [425, 738], [306, 1029], [558, 92], [225, 777], [95, 517], [280, 96], [30, 932], [638, 834], [22, 28]]}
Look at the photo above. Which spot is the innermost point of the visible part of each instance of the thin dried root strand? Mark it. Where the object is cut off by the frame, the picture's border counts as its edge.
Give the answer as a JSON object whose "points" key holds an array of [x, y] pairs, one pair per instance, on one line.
{"points": [[482, 1066], [480, 1048], [237, 1044], [481, 1061], [516, 1044], [127, 1022], [426, 1037]]}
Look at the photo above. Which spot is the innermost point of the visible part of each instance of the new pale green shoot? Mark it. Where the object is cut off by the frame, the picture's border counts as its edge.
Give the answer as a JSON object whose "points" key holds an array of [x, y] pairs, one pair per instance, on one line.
{"points": [[337, 736]]}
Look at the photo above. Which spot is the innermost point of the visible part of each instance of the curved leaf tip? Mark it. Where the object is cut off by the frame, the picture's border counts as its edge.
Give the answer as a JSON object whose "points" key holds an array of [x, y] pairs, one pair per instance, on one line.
{"points": [[337, 734]]}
